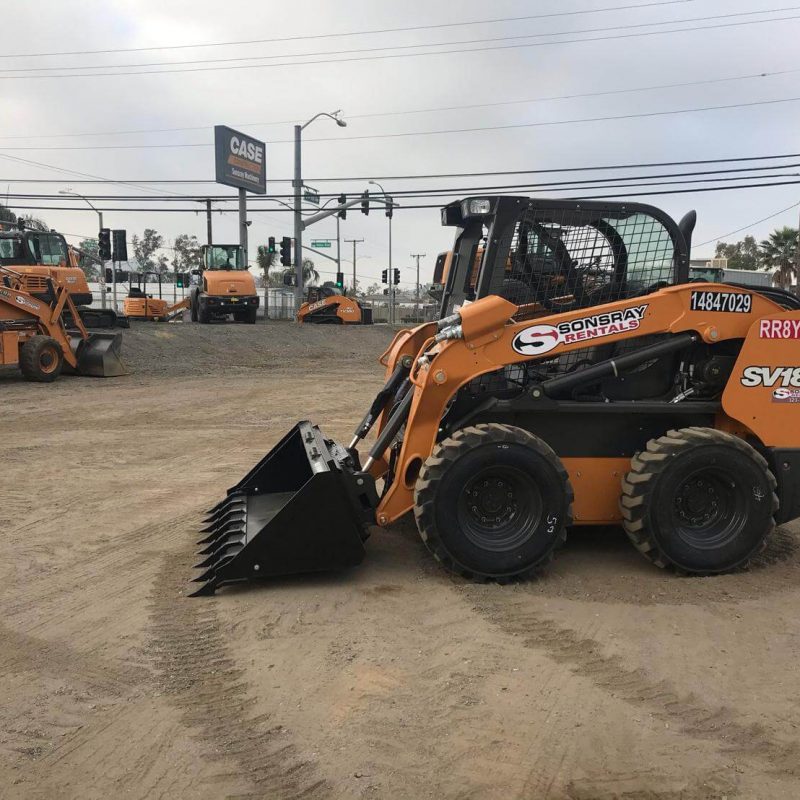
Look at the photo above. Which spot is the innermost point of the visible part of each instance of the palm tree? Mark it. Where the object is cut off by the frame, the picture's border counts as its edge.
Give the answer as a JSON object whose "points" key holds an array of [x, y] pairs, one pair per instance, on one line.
{"points": [[310, 274], [780, 252]]}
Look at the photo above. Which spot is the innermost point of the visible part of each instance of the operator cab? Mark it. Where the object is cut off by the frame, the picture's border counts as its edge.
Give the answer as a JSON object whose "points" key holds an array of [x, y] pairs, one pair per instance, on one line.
{"points": [[223, 257], [33, 248], [316, 293]]}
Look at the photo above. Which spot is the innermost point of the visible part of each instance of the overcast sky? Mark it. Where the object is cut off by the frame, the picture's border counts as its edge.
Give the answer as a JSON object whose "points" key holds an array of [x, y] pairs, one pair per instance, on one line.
{"points": [[36, 110]]}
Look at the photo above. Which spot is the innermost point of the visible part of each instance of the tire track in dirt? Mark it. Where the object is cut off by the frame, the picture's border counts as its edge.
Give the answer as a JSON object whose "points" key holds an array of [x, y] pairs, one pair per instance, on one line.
{"points": [[191, 656], [585, 657]]}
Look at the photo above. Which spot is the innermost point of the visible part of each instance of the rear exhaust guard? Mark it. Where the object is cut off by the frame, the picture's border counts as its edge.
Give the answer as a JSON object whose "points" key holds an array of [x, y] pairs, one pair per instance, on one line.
{"points": [[305, 507]]}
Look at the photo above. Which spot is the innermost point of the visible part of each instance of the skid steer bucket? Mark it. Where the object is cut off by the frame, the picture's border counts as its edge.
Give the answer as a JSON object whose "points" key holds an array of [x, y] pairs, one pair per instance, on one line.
{"points": [[305, 507], [99, 355]]}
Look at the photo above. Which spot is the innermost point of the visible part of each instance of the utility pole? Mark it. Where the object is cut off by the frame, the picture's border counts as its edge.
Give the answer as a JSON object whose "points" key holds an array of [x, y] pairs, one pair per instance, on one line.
{"points": [[418, 256], [243, 224], [298, 217], [209, 233], [355, 242]]}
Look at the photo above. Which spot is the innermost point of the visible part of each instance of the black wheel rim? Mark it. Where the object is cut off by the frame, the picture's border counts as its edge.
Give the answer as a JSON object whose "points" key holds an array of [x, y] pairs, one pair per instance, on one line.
{"points": [[500, 508], [709, 508]]}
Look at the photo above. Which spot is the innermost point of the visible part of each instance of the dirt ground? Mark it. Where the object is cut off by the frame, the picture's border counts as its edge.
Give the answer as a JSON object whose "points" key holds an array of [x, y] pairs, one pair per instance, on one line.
{"points": [[605, 678]]}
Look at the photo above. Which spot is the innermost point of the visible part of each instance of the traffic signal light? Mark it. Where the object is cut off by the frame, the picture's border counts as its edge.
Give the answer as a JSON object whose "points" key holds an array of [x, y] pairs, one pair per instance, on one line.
{"points": [[389, 207], [385, 276], [286, 251], [342, 201], [340, 280], [182, 280], [396, 276], [271, 244], [120, 246], [104, 244], [365, 202]]}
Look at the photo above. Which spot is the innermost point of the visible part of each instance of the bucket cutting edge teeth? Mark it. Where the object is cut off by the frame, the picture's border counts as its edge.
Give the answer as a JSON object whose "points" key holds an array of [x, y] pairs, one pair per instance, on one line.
{"points": [[216, 547], [234, 527], [226, 519]]}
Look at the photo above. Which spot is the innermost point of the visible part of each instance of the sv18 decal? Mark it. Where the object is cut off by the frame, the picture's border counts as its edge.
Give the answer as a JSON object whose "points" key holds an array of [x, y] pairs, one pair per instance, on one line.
{"points": [[734, 302], [536, 340], [771, 376]]}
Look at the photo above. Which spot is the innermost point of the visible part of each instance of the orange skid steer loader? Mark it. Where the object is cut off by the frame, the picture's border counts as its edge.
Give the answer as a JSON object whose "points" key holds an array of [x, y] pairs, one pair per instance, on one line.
{"points": [[581, 379], [327, 305], [34, 337]]}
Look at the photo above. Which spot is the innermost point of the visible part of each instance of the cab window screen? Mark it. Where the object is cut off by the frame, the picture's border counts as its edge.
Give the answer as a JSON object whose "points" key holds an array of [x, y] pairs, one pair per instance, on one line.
{"points": [[559, 260]]}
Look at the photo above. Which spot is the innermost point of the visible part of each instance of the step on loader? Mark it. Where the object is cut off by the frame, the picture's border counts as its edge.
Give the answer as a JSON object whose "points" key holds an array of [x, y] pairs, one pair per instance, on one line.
{"points": [[578, 378], [34, 337]]}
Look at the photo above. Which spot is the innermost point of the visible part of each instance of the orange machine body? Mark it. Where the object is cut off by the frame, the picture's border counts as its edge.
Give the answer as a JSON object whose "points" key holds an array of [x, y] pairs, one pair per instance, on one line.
{"points": [[760, 401]]}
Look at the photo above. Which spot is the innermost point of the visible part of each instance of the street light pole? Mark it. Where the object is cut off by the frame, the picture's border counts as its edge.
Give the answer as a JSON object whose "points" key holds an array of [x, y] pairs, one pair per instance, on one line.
{"points": [[298, 200], [102, 263], [418, 256], [390, 206]]}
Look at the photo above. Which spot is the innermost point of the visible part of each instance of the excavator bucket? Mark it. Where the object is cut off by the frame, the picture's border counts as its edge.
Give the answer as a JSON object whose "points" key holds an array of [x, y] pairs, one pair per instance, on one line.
{"points": [[305, 507], [99, 355]]}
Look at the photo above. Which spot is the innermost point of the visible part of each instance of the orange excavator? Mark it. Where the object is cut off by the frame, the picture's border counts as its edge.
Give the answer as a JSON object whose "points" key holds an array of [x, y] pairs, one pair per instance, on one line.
{"points": [[329, 305], [34, 337], [46, 253]]}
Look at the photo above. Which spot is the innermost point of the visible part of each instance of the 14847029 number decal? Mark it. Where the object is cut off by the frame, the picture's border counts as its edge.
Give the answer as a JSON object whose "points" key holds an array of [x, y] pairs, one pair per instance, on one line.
{"points": [[733, 302]]}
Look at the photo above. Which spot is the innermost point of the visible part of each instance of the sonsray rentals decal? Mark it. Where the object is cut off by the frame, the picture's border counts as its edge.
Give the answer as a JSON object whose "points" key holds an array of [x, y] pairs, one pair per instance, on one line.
{"points": [[538, 339], [786, 396], [734, 302], [779, 329]]}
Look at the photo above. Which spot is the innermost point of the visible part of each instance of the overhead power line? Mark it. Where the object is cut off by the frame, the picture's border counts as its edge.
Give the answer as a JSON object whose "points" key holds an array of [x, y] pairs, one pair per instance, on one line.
{"points": [[405, 134], [406, 112], [406, 207], [371, 32], [749, 225], [407, 177], [695, 176], [351, 59], [381, 48]]}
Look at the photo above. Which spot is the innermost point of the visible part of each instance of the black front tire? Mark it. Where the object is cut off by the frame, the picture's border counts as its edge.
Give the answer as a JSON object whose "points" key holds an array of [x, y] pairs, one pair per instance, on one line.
{"points": [[700, 500], [193, 303], [493, 502], [41, 359], [203, 315]]}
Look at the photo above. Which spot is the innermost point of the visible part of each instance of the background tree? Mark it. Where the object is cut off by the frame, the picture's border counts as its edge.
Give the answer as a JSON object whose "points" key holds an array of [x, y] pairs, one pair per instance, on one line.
{"points": [[780, 253], [265, 260], [89, 258], [187, 254], [740, 255], [144, 250], [310, 274], [35, 223], [6, 214]]}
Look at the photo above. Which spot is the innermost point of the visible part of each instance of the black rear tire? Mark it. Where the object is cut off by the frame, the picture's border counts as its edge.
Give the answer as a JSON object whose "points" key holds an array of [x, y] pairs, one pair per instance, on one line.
{"points": [[700, 500], [193, 303], [203, 315], [41, 359], [493, 502], [250, 316]]}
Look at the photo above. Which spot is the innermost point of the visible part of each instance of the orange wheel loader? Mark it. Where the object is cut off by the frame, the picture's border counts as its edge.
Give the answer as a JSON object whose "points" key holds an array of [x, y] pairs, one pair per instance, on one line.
{"points": [[223, 287], [582, 379], [33, 335]]}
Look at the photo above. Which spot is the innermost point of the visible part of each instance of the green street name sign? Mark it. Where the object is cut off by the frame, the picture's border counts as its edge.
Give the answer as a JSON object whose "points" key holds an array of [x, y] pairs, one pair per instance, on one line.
{"points": [[321, 244]]}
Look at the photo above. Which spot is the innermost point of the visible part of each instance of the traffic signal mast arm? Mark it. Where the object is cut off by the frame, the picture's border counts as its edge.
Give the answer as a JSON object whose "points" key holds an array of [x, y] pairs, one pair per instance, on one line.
{"points": [[329, 212]]}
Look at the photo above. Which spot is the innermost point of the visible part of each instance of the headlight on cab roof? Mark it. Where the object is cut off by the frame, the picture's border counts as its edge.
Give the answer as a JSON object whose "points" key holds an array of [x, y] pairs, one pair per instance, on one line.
{"points": [[476, 207]]}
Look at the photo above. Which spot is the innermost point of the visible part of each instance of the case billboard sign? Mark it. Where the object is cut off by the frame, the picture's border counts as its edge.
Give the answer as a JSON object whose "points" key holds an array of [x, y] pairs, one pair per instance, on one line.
{"points": [[241, 160]]}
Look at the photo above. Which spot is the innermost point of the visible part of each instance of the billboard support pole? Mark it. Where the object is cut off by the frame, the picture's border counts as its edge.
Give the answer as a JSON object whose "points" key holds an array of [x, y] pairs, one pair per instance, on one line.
{"points": [[209, 235], [243, 224], [298, 221]]}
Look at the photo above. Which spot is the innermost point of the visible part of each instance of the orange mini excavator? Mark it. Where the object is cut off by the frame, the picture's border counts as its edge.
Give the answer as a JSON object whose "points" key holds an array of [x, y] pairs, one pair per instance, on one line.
{"points": [[34, 338], [583, 378]]}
